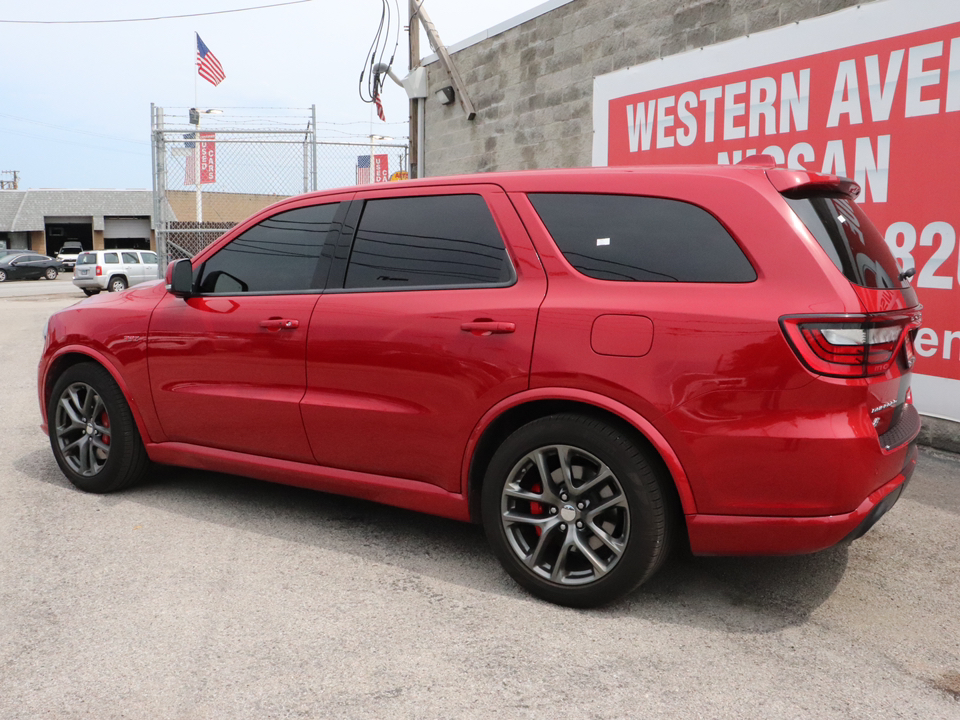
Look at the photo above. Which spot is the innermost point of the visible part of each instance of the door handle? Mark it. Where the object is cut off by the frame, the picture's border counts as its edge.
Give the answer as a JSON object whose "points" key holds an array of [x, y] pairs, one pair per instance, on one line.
{"points": [[275, 324], [488, 327]]}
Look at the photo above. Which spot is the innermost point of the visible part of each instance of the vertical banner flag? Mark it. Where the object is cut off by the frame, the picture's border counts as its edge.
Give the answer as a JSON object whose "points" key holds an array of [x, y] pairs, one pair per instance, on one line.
{"points": [[381, 172], [208, 66], [208, 159], [871, 93]]}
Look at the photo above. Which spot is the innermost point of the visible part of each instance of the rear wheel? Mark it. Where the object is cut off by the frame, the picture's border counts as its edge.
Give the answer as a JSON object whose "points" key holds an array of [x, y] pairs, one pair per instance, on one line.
{"points": [[575, 511], [50, 274], [117, 284], [92, 431]]}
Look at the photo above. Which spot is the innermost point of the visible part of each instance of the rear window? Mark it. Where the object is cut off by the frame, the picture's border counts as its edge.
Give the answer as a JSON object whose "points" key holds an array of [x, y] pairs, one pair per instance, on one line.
{"points": [[87, 259], [854, 245], [642, 239]]}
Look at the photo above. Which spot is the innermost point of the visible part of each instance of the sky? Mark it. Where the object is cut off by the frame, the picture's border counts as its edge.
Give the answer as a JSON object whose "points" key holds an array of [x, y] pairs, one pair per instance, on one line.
{"points": [[75, 99]]}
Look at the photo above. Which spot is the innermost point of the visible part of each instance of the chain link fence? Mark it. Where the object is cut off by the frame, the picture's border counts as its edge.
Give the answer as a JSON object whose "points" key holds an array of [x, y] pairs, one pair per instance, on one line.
{"points": [[212, 170]]}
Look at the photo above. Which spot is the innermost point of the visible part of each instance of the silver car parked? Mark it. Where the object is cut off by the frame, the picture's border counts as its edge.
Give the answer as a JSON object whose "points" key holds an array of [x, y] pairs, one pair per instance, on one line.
{"points": [[114, 270]]}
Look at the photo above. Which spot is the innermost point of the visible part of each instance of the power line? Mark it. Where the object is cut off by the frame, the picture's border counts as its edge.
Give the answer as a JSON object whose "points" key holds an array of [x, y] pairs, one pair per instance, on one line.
{"points": [[81, 132], [71, 142], [149, 19]]}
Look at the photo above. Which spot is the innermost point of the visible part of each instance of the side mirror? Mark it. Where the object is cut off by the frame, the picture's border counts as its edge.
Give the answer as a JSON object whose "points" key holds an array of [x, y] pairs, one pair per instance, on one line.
{"points": [[180, 278]]}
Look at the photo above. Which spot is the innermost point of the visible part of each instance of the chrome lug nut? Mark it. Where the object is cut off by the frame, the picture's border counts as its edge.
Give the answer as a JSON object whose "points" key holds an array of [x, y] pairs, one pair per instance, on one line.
{"points": [[580, 524], [563, 528], [553, 511], [580, 506]]}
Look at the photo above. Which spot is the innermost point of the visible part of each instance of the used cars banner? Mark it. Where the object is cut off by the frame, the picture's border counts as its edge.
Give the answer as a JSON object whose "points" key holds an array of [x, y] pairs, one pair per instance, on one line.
{"points": [[871, 93]]}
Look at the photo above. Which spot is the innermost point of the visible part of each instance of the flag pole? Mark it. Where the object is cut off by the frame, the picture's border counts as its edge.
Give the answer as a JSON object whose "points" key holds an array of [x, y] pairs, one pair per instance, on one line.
{"points": [[196, 135]]}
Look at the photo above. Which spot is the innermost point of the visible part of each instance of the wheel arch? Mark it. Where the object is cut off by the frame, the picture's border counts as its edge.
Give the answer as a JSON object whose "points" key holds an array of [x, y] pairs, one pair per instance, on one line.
{"points": [[69, 357], [122, 276], [512, 413]]}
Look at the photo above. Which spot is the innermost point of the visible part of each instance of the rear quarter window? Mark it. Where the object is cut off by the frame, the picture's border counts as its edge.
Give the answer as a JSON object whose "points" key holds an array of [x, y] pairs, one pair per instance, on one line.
{"points": [[846, 234], [641, 239]]}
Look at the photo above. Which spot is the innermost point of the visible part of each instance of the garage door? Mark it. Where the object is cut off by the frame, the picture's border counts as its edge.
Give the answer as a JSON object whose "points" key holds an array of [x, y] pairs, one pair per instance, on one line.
{"points": [[126, 228]]}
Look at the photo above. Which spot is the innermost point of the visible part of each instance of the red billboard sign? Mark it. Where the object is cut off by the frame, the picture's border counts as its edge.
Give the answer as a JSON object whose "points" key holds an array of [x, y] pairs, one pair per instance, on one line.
{"points": [[882, 110]]}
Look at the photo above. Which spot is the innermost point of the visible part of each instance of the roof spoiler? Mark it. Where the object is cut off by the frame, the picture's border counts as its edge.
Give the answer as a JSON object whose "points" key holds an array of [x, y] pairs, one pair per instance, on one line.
{"points": [[801, 183]]}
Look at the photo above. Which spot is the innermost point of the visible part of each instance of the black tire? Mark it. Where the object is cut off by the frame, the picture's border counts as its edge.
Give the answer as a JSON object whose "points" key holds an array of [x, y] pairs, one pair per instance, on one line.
{"points": [[92, 431], [117, 284], [50, 273], [541, 534], [88, 292]]}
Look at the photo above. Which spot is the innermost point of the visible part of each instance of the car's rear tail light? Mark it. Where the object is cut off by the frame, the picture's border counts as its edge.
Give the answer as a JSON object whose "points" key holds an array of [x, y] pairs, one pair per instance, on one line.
{"points": [[849, 345], [99, 270]]}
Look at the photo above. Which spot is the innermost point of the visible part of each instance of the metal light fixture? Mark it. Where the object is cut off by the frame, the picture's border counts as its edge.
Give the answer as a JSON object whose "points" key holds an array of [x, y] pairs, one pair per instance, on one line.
{"points": [[445, 95]]}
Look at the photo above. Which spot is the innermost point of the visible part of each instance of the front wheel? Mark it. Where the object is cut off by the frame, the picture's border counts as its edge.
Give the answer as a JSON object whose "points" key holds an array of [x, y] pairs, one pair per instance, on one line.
{"points": [[575, 511], [88, 292], [50, 274], [3, 275], [92, 431], [117, 284]]}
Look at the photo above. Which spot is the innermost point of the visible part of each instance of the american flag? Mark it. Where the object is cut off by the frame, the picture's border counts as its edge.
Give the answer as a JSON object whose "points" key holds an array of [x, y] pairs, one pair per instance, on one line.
{"points": [[207, 64], [376, 99], [363, 169]]}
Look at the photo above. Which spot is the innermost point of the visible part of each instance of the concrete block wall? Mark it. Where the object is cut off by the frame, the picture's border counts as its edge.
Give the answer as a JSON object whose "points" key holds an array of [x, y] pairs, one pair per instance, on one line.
{"points": [[532, 85]]}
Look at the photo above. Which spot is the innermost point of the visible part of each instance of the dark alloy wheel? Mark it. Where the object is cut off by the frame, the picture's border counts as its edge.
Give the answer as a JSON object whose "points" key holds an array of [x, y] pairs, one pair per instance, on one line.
{"points": [[92, 431], [117, 284], [50, 274], [575, 511]]}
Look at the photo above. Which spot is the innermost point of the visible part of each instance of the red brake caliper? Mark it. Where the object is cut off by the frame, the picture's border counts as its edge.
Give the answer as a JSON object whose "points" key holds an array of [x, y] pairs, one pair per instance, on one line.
{"points": [[535, 507], [105, 421]]}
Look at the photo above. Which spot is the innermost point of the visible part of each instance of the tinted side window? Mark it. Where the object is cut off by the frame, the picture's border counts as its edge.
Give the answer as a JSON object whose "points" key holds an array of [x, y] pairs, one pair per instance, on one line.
{"points": [[427, 241], [629, 238], [280, 254], [854, 245], [129, 257], [111, 258], [149, 257]]}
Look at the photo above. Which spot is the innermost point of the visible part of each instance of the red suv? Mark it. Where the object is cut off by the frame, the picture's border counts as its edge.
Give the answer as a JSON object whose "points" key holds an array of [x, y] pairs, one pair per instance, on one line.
{"points": [[595, 364]]}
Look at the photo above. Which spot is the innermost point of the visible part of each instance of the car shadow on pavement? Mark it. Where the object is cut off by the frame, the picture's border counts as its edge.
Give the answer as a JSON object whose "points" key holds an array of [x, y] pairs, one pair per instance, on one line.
{"points": [[748, 595]]}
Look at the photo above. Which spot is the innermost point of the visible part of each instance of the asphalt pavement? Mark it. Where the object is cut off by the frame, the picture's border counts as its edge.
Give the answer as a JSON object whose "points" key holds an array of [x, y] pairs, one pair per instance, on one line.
{"points": [[202, 595]]}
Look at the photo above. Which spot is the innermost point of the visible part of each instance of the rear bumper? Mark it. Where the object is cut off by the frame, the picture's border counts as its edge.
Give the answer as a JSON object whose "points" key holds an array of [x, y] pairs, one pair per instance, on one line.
{"points": [[99, 283], [746, 535]]}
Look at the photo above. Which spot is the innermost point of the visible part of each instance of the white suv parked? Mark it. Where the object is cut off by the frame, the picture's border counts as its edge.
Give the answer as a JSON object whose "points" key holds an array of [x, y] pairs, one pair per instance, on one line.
{"points": [[114, 270]]}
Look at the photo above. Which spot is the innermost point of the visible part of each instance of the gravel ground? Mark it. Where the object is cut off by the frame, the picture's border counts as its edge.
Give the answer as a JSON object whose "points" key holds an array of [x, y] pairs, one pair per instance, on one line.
{"points": [[200, 595]]}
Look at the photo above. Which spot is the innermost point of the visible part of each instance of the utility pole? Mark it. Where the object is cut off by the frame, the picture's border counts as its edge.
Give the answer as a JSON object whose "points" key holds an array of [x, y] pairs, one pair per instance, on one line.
{"points": [[11, 184], [414, 41]]}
